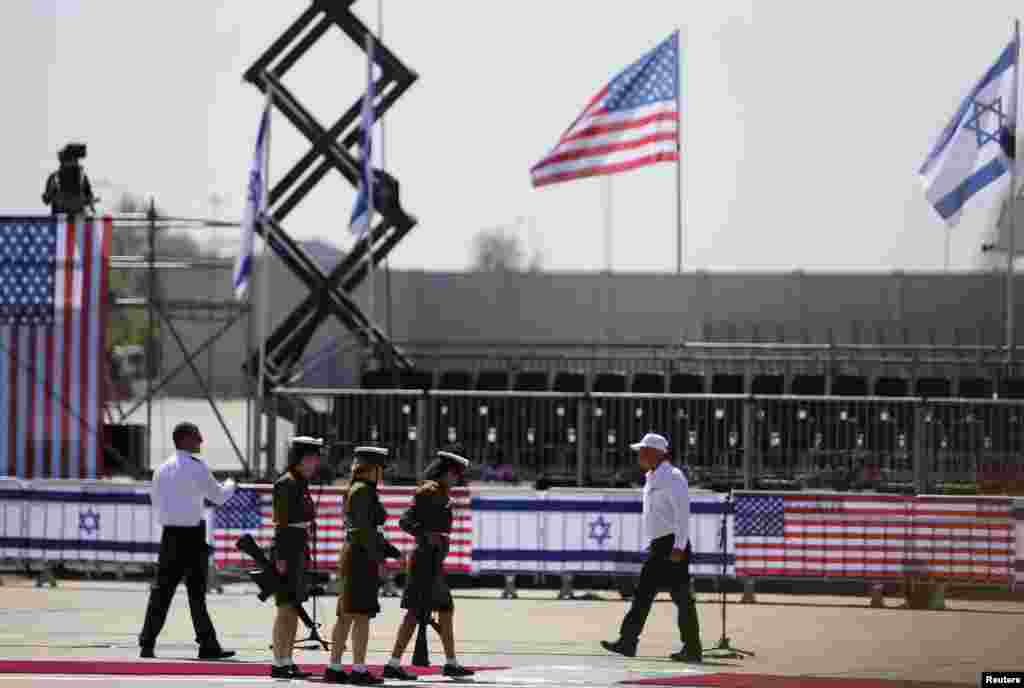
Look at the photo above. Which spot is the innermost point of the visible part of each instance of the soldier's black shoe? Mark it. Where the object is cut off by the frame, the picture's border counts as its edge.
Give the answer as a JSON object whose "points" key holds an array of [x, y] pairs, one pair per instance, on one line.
{"points": [[364, 678], [333, 676], [687, 656], [456, 671], [290, 671], [620, 648], [147, 653], [215, 653], [397, 673]]}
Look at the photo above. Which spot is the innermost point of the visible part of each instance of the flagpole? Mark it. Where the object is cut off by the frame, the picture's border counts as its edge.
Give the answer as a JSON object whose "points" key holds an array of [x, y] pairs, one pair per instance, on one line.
{"points": [[264, 293], [1012, 248], [679, 160]]}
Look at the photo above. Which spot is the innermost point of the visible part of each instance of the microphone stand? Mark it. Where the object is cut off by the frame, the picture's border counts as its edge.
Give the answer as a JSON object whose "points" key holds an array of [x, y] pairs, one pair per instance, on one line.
{"points": [[724, 649], [314, 589]]}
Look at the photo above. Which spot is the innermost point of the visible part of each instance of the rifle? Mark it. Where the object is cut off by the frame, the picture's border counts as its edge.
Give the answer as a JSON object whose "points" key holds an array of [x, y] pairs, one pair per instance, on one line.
{"points": [[424, 619], [270, 582]]}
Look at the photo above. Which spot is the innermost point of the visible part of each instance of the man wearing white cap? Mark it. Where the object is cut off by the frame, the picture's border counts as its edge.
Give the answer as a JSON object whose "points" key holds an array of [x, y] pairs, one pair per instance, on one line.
{"points": [[666, 521]]}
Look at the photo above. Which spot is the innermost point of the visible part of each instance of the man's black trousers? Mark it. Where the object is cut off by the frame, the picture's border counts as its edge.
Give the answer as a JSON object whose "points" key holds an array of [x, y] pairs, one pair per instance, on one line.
{"points": [[183, 554], [661, 573]]}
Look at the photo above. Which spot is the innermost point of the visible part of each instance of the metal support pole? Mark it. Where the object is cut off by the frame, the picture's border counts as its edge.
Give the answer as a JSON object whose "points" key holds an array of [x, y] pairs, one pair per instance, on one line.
{"points": [[150, 332], [422, 431], [749, 412], [582, 435], [919, 460], [270, 403]]}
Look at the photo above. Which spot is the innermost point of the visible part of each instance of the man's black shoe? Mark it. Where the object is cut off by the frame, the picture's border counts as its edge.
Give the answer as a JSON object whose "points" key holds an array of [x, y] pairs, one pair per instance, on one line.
{"points": [[685, 656], [215, 653], [456, 671], [333, 676], [364, 678], [290, 671], [618, 647], [397, 673], [147, 653]]}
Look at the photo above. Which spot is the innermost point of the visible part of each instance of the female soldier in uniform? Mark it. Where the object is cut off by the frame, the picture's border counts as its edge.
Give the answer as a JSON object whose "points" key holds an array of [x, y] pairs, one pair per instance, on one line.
{"points": [[359, 566], [294, 513], [429, 520]]}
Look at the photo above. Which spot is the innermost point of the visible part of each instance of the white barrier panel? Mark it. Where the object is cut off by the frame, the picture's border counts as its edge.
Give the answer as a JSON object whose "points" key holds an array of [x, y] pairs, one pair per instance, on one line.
{"points": [[89, 521], [12, 519], [583, 532]]}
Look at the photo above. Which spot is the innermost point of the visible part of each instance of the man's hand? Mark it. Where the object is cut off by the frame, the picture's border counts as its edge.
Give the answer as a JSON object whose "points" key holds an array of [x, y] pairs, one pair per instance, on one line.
{"points": [[282, 567], [436, 539], [677, 555]]}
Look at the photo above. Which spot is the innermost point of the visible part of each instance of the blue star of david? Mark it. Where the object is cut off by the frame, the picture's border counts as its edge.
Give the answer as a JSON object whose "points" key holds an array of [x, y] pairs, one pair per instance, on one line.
{"points": [[975, 123], [89, 521], [599, 530]]}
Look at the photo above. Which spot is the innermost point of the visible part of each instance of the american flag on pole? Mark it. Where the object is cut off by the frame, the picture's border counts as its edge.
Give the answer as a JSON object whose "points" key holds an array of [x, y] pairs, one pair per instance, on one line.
{"points": [[54, 303], [874, 536], [250, 511], [633, 121]]}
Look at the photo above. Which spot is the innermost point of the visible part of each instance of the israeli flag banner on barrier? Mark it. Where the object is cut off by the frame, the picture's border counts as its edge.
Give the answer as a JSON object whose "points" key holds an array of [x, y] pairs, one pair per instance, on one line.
{"points": [[592, 532], [90, 522]]}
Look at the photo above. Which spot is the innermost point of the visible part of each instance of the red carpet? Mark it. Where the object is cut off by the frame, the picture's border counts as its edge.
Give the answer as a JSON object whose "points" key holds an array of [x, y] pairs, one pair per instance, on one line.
{"points": [[765, 681], [174, 667]]}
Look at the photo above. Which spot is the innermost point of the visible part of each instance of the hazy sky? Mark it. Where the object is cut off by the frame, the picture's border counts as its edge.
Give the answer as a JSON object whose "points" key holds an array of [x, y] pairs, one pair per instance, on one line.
{"points": [[803, 124]]}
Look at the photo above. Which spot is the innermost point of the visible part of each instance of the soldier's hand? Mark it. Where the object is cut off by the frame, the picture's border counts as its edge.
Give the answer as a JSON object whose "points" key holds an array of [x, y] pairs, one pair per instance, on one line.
{"points": [[282, 567], [677, 555]]}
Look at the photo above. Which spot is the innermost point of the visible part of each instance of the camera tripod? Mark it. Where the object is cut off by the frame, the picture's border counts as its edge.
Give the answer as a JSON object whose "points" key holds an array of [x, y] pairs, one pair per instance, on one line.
{"points": [[724, 649]]}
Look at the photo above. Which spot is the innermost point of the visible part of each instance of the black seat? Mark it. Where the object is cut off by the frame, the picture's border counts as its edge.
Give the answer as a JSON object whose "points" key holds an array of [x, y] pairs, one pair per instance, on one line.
{"points": [[455, 379], [808, 385], [1011, 388], [975, 388], [768, 385], [648, 383], [934, 387], [686, 383], [532, 381], [416, 379], [727, 384], [492, 380], [610, 383], [891, 387], [850, 386], [571, 382]]}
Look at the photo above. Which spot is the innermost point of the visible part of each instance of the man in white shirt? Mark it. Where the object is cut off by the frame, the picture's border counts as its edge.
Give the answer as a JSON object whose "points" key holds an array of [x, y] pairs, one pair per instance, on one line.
{"points": [[666, 522], [180, 485]]}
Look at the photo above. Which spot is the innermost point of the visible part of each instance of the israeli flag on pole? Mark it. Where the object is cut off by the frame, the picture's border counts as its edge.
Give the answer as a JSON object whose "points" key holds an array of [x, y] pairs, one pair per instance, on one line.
{"points": [[362, 212], [976, 149], [255, 205]]}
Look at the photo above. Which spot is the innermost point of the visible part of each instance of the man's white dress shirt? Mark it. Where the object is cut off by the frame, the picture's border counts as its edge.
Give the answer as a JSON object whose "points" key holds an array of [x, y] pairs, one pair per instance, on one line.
{"points": [[179, 486], [667, 504]]}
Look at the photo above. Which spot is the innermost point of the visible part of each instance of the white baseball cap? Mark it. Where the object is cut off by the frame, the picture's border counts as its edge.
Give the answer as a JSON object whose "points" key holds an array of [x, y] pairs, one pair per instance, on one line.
{"points": [[651, 440]]}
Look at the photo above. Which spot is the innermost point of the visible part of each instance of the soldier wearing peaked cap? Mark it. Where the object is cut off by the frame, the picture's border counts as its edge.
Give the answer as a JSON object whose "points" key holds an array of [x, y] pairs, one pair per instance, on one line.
{"points": [[294, 516], [364, 551], [429, 520]]}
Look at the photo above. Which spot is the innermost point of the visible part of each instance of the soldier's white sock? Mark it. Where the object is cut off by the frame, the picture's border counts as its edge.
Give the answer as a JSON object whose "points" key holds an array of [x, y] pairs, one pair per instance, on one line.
{"points": [[337, 667], [395, 662], [361, 668], [452, 661]]}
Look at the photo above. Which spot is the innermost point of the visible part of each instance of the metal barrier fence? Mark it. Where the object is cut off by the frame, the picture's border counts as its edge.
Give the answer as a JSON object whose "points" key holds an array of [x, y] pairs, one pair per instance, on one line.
{"points": [[904, 444]]}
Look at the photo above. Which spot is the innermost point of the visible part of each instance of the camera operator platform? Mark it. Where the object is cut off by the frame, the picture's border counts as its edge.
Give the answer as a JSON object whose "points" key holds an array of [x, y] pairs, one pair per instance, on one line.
{"points": [[68, 191]]}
